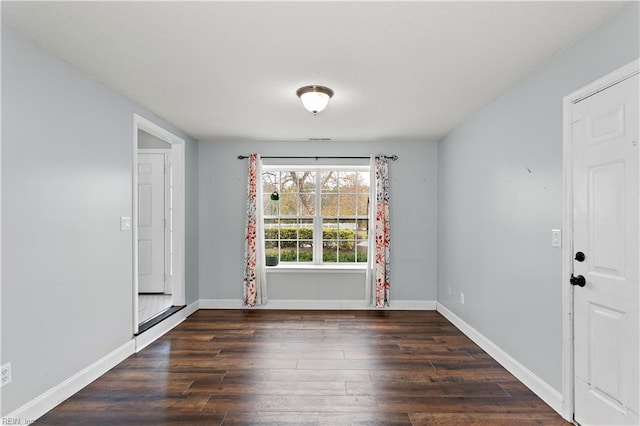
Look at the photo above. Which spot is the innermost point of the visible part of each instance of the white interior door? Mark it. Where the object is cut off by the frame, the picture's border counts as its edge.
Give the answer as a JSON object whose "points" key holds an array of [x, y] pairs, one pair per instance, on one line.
{"points": [[151, 223], [606, 216]]}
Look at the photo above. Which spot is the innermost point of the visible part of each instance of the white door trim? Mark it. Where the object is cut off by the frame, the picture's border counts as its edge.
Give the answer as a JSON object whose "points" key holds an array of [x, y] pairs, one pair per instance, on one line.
{"points": [[599, 85], [178, 157]]}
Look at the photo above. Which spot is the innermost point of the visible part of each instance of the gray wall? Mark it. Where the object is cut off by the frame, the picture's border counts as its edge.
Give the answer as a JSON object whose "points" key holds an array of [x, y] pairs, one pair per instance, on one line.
{"points": [[66, 180], [413, 215], [499, 192], [328, 285]]}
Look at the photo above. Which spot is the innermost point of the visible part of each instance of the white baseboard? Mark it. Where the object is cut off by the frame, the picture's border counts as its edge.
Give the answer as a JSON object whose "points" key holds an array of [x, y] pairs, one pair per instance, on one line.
{"points": [[413, 305], [154, 333], [221, 304], [191, 308], [422, 305], [548, 394], [39, 406]]}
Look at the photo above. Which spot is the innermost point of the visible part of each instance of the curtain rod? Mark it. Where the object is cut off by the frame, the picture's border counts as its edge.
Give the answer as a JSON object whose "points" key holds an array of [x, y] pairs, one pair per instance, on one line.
{"points": [[389, 157]]}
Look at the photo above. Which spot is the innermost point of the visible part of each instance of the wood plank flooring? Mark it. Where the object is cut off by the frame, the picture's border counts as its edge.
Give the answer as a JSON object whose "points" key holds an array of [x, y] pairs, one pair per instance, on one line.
{"points": [[308, 368]]}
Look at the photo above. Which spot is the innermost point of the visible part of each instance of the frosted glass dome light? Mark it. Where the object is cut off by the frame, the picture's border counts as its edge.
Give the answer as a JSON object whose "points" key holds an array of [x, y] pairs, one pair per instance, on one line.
{"points": [[314, 98]]}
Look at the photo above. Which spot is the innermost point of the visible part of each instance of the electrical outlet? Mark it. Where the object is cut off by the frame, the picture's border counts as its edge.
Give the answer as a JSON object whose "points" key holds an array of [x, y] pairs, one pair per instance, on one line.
{"points": [[462, 298], [5, 374], [449, 288]]}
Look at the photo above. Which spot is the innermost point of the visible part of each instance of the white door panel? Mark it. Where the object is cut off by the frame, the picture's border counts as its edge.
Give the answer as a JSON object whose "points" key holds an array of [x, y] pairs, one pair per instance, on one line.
{"points": [[606, 192], [151, 223], [606, 217]]}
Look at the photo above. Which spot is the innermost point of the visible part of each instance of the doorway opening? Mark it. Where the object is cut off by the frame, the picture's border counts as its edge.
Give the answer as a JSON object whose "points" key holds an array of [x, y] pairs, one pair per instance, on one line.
{"points": [[158, 224]]}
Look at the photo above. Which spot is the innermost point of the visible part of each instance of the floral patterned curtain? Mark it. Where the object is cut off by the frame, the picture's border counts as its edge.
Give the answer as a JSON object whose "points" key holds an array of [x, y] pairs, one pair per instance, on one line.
{"points": [[255, 283], [382, 232]]}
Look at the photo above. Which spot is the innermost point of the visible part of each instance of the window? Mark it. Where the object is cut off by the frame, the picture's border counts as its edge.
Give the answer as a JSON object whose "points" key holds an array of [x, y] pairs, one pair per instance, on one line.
{"points": [[321, 215]]}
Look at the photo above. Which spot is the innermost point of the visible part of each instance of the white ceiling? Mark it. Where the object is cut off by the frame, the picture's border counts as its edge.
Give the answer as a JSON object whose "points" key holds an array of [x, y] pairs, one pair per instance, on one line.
{"points": [[229, 70]]}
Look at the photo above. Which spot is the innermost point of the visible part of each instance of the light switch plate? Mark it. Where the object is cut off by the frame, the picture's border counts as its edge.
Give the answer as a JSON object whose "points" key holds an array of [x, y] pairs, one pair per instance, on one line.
{"points": [[5, 375], [556, 238], [125, 223]]}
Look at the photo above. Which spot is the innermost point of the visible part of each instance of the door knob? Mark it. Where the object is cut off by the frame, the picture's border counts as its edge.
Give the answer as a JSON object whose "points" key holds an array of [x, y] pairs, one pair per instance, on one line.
{"points": [[579, 280], [580, 256]]}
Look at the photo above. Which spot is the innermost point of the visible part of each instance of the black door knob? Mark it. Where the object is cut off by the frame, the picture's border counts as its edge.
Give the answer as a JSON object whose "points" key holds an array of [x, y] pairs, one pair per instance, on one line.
{"points": [[579, 280], [580, 256]]}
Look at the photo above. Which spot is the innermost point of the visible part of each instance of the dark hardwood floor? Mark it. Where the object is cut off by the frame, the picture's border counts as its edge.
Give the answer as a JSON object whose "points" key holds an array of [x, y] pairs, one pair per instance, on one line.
{"points": [[305, 368]]}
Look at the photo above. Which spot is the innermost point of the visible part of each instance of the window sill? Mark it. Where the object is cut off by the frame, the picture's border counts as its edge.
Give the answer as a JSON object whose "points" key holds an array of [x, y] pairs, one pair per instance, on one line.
{"points": [[356, 269]]}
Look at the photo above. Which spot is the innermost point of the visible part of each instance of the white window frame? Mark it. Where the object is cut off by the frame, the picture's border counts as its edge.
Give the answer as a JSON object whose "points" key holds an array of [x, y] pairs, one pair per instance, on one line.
{"points": [[317, 217]]}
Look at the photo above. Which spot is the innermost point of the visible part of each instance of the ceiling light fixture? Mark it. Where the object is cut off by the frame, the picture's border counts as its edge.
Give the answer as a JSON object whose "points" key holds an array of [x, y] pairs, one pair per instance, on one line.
{"points": [[314, 98]]}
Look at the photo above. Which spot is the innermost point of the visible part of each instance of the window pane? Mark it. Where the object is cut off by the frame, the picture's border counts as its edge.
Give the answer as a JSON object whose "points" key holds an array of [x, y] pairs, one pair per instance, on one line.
{"points": [[307, 204], [362, 226], [270, 245], [364, 182], [347, 205], [288, 182], [329, 205], [288, 244], [347, 224], [329, 182], [347, 253], [362, 239], [329, 229], [348, 181], [362, 205], [289, 229], [307, 182], [271, 229], [346, 235], [288, 254], [330, 240], [305, 251], [288, 204], [329, 251], [270, 206], [271, 248], [305, 229], [361, 251], [270, 181]]}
